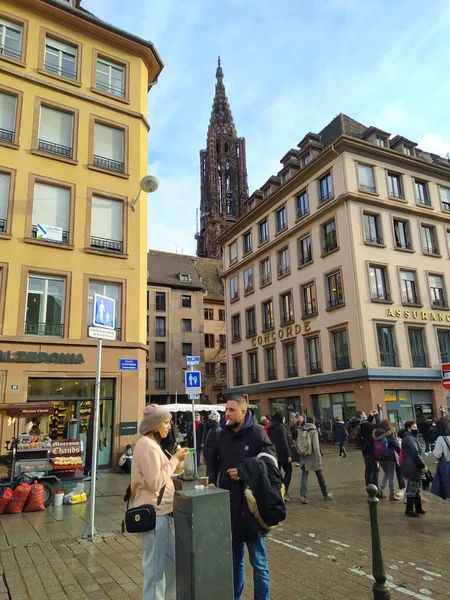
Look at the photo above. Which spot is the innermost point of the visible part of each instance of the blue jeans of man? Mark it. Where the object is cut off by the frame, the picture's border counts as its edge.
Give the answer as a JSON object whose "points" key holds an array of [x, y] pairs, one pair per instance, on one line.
{"points": [[320, 480], [258, 559]]}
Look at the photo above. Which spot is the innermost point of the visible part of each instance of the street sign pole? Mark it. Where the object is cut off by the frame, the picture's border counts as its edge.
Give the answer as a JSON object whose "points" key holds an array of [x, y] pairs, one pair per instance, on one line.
{"points": [[194, 435]]}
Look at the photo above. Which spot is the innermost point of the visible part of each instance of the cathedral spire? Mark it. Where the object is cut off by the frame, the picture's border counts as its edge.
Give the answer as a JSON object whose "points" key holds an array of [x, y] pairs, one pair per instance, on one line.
{"points": [[221, 111]]}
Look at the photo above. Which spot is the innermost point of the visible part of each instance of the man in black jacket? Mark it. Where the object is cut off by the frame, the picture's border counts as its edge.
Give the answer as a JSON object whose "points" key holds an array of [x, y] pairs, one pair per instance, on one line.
{"points": [[367, 426], [238, 440]]}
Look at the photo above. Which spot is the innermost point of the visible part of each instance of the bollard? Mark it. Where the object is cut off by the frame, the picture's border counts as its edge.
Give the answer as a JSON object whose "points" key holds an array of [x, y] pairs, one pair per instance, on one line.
{"points": [[380, 588]]}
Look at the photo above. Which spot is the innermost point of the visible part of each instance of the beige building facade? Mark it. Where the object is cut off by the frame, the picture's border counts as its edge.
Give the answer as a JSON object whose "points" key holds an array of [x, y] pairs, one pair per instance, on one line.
{"points": [[337, 279]]}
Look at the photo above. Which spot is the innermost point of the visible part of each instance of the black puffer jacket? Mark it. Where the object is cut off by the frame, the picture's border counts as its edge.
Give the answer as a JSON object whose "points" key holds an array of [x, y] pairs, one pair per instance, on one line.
{"points": [[229, 449], [340, 432], [412, 462], [277, 433], [210, 424]]}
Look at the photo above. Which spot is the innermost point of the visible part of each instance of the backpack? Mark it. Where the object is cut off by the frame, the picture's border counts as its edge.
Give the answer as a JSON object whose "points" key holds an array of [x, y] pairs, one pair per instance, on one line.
{"points": [[381, 449], [355, 435], [304, 444]]}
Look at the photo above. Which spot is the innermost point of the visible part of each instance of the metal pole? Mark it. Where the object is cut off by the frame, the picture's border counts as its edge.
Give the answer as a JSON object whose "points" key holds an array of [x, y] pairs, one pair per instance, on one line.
{"points": [[91, 532], [380, 588], [194, 436]]}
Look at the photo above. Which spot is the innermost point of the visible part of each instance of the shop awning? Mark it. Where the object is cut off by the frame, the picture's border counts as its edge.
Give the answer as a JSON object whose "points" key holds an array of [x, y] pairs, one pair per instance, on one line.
{"points": [[26, 409]]}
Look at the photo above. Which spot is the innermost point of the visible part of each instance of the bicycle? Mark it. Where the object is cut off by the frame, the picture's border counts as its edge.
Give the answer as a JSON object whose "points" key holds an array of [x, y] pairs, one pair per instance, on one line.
{"points": [[328, 437]]}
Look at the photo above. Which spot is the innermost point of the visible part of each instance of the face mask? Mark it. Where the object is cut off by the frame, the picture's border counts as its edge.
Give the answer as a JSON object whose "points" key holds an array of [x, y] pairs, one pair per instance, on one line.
{"points": [[197, 420], [129, 452], [234, 425], [415, 432]]}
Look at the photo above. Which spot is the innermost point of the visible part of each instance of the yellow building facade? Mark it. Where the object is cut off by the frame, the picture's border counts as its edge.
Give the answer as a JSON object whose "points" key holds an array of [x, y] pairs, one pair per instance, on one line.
{"points": [[73, 149]]}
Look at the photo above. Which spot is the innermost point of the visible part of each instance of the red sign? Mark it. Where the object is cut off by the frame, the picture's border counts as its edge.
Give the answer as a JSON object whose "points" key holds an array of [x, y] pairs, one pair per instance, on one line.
{"points": [[246, 397], [446, 376]]}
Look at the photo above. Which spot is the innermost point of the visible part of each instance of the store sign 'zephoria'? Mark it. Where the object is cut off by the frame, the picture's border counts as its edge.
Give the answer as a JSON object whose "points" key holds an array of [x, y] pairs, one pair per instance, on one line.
{"points": [[421, 315], [285, 332], [63, 358]]}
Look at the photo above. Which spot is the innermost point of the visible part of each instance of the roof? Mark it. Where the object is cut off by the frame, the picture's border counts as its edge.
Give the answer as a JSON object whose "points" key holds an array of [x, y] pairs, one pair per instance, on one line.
{"points": [[341, 125], [163, 268], [210, 273]]}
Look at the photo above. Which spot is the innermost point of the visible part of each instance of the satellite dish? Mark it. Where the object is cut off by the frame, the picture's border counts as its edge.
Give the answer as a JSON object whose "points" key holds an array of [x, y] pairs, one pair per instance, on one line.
{"points": [[149, 184]]}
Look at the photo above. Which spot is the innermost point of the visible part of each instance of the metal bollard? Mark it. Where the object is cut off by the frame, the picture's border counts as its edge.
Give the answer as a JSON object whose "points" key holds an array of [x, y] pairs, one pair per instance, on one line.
{"points": [[380, 588]]}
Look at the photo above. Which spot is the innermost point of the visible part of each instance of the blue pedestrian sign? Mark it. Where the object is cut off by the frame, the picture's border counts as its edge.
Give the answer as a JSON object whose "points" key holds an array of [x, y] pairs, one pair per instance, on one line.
{"points": [[191, 361], [193, 382], [128, 364], [104, 311]]}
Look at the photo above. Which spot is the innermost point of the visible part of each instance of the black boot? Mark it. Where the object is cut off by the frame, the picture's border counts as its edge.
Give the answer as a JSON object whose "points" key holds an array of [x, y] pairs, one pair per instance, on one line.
{"points": [[418, 506], [409, 512]]}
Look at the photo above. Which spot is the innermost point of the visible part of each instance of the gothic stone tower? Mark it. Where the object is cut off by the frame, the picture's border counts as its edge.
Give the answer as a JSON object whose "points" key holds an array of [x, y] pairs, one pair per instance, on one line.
{"points": [[223, 174]]}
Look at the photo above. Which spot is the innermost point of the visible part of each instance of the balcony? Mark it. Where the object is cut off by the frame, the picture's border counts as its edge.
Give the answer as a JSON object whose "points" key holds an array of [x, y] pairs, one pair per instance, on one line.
{"points": [[58, 70], [44, 329], [65, 234], [6, 135], [315, 368], [6, 51], [108, 163], [410, 299], [439, 303], [253, 378], [367, 188], [419, 360], [271, 375], [325, 197], [396, 195], [292, 371], [52, 148], [430, 249], [333, 302], [2, 225], [388, 359], [342, 362], [106, 245], [266, 280], [424, 202], [310, 309], [283, 271], [305, 259], [376, 239], [111, 89], [406, 245], [287, 318], [383, 295]]}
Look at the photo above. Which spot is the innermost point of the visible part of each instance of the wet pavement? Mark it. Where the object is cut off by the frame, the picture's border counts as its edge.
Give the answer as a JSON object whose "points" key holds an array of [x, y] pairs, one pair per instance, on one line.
{"points": [[322, 550]]}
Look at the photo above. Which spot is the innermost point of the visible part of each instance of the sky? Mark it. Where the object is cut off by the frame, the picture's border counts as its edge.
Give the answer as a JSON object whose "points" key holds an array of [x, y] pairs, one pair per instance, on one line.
{"points": [[290, 66]]}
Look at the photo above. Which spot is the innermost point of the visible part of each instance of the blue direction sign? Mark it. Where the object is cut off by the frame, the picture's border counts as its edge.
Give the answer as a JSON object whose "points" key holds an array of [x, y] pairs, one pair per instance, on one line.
{"points": [[128, 364], [192, 360], [104, 312], [193, 382]]}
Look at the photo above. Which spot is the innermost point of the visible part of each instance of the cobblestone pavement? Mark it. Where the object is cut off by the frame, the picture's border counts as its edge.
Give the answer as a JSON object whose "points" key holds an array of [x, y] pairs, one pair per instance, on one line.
{"points": [[321, 551]]}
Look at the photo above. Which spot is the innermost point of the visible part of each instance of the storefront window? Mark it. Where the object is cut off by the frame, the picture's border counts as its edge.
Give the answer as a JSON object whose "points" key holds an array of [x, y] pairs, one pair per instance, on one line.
{"points": [[328, 406]]}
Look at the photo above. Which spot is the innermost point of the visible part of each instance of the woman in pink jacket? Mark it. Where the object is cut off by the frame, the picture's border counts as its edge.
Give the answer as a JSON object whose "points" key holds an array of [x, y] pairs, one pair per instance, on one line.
{"points": [[151, 472]]}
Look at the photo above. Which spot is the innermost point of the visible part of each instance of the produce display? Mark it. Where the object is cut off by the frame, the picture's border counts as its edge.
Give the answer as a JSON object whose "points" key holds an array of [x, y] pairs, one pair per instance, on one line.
{"points": [[33, 442]]}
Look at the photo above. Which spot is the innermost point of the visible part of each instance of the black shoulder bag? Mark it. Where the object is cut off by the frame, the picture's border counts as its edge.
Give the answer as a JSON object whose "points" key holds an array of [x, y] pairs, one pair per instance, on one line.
{"points": [[141, 518]]}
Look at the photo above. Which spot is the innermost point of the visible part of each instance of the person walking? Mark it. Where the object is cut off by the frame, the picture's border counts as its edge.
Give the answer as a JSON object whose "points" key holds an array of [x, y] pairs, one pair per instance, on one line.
{"points": [[424, 429], [413, 469], [386, 446], [360, 431], [442, 447], [238, 440], [311, 459], [151, 483], [278, 436], [298, 425], [340, 435]]}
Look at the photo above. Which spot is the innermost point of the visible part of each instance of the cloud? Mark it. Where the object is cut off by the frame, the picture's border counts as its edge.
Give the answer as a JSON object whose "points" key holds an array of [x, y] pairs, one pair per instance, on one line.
{"points": [[435, 143]]}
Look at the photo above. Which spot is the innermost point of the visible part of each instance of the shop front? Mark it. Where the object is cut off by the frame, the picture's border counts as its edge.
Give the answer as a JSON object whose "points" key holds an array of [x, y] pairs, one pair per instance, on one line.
{"points": [[285, 406], [326, 407], [407, 405]]}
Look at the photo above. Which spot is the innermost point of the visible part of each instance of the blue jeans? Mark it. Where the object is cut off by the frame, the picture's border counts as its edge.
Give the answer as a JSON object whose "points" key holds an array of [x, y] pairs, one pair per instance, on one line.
{"points": [[258, 560], [158, 561], [320, 479]]}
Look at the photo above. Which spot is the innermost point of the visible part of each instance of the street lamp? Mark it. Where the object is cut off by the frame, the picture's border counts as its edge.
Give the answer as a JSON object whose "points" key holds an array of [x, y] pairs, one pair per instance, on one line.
{"points": [[148, 184]]}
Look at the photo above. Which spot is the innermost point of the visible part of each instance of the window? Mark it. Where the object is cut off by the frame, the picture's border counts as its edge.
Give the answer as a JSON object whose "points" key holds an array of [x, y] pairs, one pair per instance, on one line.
{"points": [[267, 309], [250, 317], [366, 178], [386, 346], [447, 233], [445, 198], [402, 235], [160, 326], [247, 242], [236, 327], [408, 151], [222, 341], [56, 128], [160, 300], [11, 39], [302, 204], [186, 301], [429, 240], [45, 306], [60, 58], [184, 278], [233, 253], [8, 117], [304, 248], [223, 370], [382, 142], [309, 299], [266, 276], [234, 288], [281, 218], [290, 360], [237, 370], [306, 159], [210, 369], [287, 308], [109, 148], [271, 369], [252, 359], [160, 352], [263, 229], [378, 282], [444, 345], [209, 340], [395, 186], [422, 196], [110, 77], [221, 314], [334, 288], [208, 314], [107, 224], [408, 286], [417, 344], [284, 266], [437, 291], [5, 187], [160, 379], [186, 349], [248, 280], [186, 324], [329, 237], [111, 290], [372, 229], [325, 188], [340, 350], [51, 208], [313, 349]]}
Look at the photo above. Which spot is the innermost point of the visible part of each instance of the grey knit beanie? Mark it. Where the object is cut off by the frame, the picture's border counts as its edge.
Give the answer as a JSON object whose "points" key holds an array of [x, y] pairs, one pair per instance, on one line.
{"points": [[154, 415]]}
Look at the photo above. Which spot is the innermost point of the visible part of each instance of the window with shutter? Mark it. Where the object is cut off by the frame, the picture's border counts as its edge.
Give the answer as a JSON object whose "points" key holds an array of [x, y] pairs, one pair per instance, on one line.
{"points": [[109, 147], [5, 183], [55, 132], [51, 207], [106, 224], [8, 107]]}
